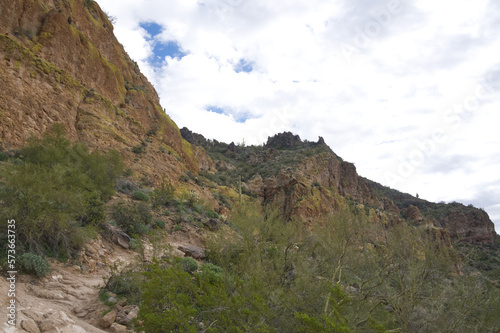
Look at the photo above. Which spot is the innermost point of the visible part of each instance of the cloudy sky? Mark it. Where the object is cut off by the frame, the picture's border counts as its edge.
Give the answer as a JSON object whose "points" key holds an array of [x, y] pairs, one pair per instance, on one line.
{"points": [[409, 91]]}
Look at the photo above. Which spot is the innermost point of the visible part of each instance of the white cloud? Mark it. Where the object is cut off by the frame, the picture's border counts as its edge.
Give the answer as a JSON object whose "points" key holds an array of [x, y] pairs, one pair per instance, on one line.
{"points": [[376, 79]]}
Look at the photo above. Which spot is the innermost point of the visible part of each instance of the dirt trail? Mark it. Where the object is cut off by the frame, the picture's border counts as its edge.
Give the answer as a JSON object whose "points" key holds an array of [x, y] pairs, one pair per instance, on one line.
{"points": [[66, 300]]}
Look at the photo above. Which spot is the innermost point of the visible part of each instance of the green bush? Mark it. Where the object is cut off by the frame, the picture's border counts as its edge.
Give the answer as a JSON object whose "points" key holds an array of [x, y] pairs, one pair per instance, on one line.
{"points": [[126, 283], [3, 156], [188, 264], [160, 223], [133, 219], [212, 214], [197, 208], [163, 194], [139, 149], [56, 191], [139, 195], [34, 264]]}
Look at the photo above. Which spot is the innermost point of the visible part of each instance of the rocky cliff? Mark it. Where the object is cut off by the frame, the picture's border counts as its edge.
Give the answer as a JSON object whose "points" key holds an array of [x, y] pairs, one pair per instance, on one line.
{"points": [[307, 179], [60, 62]]}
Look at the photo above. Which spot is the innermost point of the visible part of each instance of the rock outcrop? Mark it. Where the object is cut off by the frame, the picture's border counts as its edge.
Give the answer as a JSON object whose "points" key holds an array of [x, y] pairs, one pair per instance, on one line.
{"points": [[471, 226]]}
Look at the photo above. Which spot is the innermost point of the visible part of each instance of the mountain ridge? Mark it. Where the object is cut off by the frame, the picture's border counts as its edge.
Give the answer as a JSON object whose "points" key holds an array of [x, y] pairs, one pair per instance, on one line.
{"points": [[284, 230], [328, 171]]}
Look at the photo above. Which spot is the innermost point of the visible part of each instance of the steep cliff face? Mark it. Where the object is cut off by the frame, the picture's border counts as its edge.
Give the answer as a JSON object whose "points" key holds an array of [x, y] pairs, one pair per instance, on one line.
{"points": [[465, 223], [60, 62], [471, 226]]}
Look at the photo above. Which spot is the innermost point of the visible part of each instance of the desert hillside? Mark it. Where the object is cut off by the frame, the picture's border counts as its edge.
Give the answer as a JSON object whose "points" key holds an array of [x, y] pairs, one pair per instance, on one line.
{"points": [[117, 221]]}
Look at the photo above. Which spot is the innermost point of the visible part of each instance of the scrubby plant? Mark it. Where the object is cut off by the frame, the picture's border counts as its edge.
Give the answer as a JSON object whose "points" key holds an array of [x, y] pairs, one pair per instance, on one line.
{"points": [[3, 156], [34, 264], [139, 195], [210, 213], [56, 191], [163, 194], [159, 223], [188, 264], [133, 219], [274, 276]]}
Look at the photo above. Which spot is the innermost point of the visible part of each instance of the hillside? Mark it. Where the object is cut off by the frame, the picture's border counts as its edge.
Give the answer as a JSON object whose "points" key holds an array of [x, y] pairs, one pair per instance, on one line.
{"points": [[307, 179], [61, 63], [124, 223]]}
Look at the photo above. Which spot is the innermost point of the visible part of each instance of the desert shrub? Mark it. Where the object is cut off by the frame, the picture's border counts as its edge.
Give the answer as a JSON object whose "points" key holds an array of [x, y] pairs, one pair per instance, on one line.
{"points": [[125, 186], [139, 195], [133, 219], [140, 149], [160, 223], [126, 283], [188, 264], [212, 214], [55, 191], [34, 264], [3, 156], [197, 208], [163, 194]]}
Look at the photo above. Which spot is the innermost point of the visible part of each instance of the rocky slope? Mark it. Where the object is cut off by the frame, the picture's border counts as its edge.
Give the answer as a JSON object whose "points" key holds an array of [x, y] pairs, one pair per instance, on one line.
{"points": [[308, 180], [60, 62]]}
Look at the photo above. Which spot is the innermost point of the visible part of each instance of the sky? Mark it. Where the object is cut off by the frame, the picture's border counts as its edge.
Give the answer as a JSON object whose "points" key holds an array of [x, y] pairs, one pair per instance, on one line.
{"points": [[409, 91]]}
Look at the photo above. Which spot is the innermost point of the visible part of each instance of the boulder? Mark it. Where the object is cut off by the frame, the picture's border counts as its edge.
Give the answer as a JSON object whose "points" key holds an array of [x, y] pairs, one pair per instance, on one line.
{"points": [[117, 328], [107, 319], [127, 314], [193, 251], [29, 325], [118, 236], [212, 224]]}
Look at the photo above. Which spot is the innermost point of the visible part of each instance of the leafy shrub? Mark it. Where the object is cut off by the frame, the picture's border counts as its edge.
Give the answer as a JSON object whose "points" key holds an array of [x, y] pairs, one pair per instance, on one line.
{"points": [[160, 223], [139, 195], [125, 186], [133, 219], [212, 214], [34, 264], [197, 208], [57, 189], [126, 283], [212, 273], [139, 149], [3, 156], [188, 264], [163, 194]]}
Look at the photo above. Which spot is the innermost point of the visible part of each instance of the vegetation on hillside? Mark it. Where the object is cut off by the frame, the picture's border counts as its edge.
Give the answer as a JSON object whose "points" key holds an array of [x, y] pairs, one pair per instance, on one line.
{"points": [[342, 275], [56, 192]]}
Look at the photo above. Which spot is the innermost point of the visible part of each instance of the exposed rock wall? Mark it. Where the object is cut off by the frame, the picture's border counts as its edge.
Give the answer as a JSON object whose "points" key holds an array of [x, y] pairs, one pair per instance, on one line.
{"points": [[471, 226], [60, 62]]}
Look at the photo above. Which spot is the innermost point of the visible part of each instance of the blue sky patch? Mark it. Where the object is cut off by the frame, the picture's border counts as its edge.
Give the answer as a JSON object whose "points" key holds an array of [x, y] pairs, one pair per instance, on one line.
{"points": [[243, 66], [238, 118], [215, 109], [161, 49]]}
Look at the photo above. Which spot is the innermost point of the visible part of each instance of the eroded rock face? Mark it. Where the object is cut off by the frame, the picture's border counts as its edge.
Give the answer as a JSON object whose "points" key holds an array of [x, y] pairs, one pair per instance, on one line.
{"points": [[414, 214], [473, 226], [193, 251], [61, 63], [284, 140], [315, 187]]}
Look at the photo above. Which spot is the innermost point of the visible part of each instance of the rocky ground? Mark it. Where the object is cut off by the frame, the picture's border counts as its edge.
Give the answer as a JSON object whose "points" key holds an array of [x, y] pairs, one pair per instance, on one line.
{"points": [[67, 299]]}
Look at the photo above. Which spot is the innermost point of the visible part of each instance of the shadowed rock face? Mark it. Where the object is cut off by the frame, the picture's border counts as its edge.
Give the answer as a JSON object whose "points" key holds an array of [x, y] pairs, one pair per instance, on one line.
{"points": [[473, 226]]}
